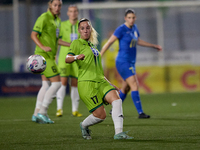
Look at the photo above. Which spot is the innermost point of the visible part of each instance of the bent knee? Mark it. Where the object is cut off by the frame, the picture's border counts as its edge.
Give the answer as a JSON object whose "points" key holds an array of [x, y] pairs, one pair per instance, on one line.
{"points": [[127, 89], [100, 115], [103, 117]]}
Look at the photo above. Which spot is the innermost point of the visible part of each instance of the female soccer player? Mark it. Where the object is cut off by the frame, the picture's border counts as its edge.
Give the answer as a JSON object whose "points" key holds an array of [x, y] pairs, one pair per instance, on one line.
{"points": [[69, 32], [93, 89], [45, 34], [128, 36]]}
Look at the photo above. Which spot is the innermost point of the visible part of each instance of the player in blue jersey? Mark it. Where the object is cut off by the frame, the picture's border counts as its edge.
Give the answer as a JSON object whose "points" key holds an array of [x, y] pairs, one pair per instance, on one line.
{"points": [[128, 36]]}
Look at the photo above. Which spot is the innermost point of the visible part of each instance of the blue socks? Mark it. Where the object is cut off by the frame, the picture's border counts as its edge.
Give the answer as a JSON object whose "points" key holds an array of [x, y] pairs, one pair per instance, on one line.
{"points": [[136, 100], [122, 96]]}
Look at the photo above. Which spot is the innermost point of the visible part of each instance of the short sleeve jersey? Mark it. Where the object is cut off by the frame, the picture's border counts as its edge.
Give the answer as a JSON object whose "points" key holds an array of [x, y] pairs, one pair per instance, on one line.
{"points": [[90, 69], [68, 33], [48, 29], [128, 38]]}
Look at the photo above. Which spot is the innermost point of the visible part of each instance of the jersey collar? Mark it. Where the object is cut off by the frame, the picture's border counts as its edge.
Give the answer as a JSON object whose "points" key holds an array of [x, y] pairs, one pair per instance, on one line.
{"points": [[51, 15], [128, 27], [69, 23], [84, 41]]}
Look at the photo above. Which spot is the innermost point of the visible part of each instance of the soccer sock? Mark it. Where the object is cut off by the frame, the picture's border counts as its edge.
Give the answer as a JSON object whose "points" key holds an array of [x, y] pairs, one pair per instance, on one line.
{"points": [[40, 96], [75, 98], [60, 96], [117, 115], [122, 95], [136, 100], [91, 120], [48, 97]]}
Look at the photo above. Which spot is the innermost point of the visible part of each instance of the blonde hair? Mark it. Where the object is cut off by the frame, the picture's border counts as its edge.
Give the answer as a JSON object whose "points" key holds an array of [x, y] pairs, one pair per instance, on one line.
{"points": [[93, 37]]}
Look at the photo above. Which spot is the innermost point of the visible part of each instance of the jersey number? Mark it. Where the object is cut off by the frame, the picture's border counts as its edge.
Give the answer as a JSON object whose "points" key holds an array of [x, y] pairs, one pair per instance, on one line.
{"points": [[94, 99], [54, 69], [133, 43], [131, 68]]}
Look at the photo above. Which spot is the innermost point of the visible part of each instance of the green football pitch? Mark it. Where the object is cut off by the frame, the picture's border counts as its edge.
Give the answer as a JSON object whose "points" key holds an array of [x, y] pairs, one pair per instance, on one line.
{"points": [[174, 125]]}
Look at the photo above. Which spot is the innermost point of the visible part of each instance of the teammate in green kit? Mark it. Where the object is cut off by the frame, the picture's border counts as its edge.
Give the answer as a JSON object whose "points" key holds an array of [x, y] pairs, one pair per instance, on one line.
{"points": [[93, 87], [69, 32], [46, 36]]}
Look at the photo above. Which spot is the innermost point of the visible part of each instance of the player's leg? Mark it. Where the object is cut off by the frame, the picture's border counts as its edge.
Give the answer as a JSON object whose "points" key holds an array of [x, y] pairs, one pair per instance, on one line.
{"points": [[75, 97], [93, 101], [128, 73], [42, 116], [45, 85], [64, 74], [51, 72], [113, 98], [124, 90], [96, 117], [124, 71], [120, 68], [60, 95], [133, 83]]}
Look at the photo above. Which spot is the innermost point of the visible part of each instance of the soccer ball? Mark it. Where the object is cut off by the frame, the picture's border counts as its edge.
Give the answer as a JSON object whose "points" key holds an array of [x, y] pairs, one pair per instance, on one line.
{"points": [[36, 64]]}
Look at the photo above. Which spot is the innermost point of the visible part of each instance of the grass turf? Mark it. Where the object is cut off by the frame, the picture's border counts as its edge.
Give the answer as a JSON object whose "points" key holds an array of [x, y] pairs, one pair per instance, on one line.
{"points": [[174, 124]]}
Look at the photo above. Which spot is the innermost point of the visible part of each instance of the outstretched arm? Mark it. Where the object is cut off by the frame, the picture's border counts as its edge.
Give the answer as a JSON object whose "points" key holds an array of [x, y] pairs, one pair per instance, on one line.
{"points": [[144, 43], [70, 58], [112, 39]]}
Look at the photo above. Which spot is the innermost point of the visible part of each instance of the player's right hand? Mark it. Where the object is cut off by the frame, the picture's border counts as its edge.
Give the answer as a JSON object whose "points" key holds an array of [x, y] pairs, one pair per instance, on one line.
{"points": [[46, 49]]}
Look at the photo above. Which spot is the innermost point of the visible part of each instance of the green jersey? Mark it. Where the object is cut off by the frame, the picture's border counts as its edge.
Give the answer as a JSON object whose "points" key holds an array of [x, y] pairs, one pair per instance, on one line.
{"points": [[48, 27], [68, 32], [90, 69]]}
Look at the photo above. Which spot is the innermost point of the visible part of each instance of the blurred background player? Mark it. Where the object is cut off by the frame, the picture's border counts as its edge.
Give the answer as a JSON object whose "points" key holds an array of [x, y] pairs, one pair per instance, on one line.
{"points": [[69, 32], [46, 36], [93, 88], [128, 36], [110, 70]]}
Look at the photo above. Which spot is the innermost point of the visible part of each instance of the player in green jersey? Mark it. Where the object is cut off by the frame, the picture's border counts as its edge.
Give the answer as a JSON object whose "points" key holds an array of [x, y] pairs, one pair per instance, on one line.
{"points": [[69, 32], [46, 36], [93, 87]]}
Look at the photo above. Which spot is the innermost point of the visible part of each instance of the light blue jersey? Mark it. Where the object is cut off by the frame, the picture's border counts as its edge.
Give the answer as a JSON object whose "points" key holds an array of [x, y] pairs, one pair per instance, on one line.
{"points": [[128, 38]]}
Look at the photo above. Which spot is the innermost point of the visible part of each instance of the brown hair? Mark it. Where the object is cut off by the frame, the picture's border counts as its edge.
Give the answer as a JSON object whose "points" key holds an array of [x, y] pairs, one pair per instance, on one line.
{"points": [[128, 11]]}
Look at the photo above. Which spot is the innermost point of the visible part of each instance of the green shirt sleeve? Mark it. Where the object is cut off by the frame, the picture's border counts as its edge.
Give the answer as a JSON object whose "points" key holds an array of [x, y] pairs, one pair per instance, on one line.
{"points": [[39, 24], [74, 48]]}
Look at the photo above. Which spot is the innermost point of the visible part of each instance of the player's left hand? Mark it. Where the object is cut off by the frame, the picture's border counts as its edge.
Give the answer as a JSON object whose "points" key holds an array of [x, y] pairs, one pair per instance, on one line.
{"points": [[81, 57], [158, 47]]}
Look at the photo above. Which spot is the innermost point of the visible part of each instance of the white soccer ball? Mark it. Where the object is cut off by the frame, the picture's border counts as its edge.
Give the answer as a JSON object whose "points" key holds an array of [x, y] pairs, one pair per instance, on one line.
{"points": [[36, 64]]}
